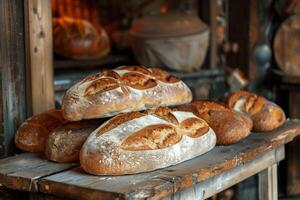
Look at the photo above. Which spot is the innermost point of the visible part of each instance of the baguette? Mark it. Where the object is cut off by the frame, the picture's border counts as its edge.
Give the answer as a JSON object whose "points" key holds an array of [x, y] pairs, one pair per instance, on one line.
{"points": [[266, 115], [229, 126], [137, 142], [64, 143], [125, 89], [32, 133]]}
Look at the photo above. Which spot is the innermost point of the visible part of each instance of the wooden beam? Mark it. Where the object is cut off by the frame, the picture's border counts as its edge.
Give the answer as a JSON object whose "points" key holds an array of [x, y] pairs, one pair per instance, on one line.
{"points": [[267, 183], [12, 57], [213, 33], [40, 54]]}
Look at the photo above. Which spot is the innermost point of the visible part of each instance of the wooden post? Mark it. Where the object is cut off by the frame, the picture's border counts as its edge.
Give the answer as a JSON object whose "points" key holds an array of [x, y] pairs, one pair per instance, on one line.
{"points": [[267, 183], [213, 33], [40, 54], [12, 68]]}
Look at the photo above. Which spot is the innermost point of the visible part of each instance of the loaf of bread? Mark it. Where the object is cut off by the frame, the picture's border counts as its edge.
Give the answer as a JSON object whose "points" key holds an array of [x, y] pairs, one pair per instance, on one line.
{"points": [[124, 89], [137, 142], [32, 133], [79, 39], [229, 126], [64, 143], [266, 115]]}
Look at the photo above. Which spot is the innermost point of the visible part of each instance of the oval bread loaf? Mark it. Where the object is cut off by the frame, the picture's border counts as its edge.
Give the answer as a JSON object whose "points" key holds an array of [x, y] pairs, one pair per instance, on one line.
{"points": [[33, 132], [229, 126], [64, 143], [79, 39], [137, 142], [125, 89], [266, 115]]}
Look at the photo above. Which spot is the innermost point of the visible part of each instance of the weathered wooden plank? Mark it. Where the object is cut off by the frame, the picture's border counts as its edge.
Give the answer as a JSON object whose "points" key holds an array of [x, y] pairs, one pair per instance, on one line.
{"points": [[12, 57], [84, 186], [267, 183], [216, 184], [21, 172], [228, 157], [164, 182], [40, 54]]}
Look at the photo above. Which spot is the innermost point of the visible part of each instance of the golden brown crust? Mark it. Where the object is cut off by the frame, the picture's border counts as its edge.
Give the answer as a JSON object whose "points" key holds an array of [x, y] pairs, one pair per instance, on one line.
{"points": [[64, 143], [117, 120], [138, 81], [194, 127], [164, 113], [32, 133], [146, 143], [229, 126], [152, 137], [266, 115], [125, 89], [79, 39], [101, 85], [140, 69], [164, 76]]}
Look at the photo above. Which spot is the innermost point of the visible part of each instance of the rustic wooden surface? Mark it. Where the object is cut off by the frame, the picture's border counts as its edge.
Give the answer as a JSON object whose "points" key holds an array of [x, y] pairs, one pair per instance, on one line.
{"points": [[22, 172], [287, 46], [12, 70], [74, 183], [216, 184], [40, 54]]}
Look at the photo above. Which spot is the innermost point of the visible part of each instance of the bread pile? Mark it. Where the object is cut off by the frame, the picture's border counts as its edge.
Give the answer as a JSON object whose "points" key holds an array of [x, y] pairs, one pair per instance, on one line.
{"points": [[143, 133]]}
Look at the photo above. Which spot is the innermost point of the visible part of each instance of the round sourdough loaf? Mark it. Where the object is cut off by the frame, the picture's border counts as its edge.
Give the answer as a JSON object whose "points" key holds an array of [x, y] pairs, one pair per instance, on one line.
{"points": [[229, 126], [33, 132], [266, 115], [125, 89], [79, 39], [137, 142]]}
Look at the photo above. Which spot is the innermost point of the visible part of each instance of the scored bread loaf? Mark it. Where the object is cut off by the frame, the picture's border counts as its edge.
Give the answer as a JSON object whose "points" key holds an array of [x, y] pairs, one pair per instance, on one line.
{"points": [[79, 39], [229, 126], [33, 132], [266, 115], [64, 143], [124, 89], [137, 142]]}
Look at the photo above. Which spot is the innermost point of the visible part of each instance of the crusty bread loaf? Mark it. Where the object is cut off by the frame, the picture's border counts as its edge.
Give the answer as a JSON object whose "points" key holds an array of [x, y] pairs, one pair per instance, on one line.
{"points": [[79, 39], [137, 142], [229, 126], [32, 133], [64, 143], [125, 89], [266, 115]]}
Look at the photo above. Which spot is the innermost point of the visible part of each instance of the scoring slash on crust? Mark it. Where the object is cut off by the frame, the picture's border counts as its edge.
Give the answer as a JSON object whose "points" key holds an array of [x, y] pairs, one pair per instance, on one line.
{"points": [[124, 89], [143, 141]]}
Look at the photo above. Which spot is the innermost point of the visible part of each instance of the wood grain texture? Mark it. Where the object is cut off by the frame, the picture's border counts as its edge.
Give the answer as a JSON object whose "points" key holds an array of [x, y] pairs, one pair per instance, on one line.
{"points": [[22, 172], [12, 57], [267, 182], [213, 33], [40, 54], [228, 178], [164, 182]]}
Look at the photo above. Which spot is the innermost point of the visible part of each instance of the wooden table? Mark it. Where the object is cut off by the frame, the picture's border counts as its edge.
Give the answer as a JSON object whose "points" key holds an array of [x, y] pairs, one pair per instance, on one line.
{"points": [[198, 178]]}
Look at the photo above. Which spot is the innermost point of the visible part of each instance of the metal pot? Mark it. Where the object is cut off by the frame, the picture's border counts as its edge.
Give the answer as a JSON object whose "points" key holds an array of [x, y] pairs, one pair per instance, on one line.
{"points": [[175, 40]]}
